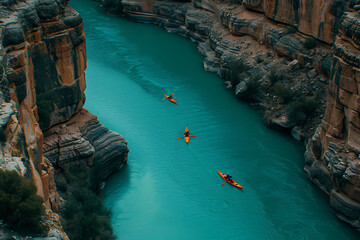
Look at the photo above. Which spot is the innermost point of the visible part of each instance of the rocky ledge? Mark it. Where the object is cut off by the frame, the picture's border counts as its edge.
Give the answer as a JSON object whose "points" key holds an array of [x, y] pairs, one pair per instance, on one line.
{"points": [[42, 81], [297, 60], [84, 141]]}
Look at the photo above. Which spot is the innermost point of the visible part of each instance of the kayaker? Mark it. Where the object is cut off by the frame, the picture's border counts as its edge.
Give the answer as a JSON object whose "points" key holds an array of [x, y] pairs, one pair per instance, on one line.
{"points": [[170, 97], [187, 134], [228, 177]]}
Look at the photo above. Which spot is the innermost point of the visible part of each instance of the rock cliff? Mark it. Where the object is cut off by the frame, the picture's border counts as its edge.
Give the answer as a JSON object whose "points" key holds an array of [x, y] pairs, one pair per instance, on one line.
{"points": [[42, 83], [294, 59]]}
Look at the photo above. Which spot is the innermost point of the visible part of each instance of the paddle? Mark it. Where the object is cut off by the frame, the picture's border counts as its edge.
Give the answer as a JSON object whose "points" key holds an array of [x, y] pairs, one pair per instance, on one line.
{"points": [[225, 180], [182, 137]]}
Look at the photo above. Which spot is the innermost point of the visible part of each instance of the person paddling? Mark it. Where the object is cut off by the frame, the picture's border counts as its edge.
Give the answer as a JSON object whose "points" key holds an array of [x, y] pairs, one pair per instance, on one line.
{"points": [[228, 178], [187, 134], [170, 98]]}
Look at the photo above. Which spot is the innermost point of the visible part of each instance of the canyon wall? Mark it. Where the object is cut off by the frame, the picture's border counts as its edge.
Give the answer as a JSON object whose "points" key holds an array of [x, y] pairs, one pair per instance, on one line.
{"points": [[43, 123], [314, 47]]}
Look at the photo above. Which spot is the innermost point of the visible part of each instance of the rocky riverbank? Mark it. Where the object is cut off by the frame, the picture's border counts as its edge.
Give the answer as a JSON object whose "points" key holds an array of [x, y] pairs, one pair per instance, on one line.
{"points": [[44, 127], [297, 60]]}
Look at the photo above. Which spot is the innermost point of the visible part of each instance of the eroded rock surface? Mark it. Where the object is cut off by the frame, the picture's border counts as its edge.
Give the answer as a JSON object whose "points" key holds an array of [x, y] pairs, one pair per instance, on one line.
{"points": [[84, 140]]}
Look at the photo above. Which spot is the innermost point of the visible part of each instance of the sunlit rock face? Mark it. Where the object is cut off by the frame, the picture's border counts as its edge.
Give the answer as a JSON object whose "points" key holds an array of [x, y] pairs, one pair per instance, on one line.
{"points": [[312, 17], [42, 83]]}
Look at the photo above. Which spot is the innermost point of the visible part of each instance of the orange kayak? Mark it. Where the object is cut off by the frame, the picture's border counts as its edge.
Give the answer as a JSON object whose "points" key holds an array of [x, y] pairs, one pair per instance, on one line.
{"points": [[187, 139], [235, 184], [170, 99]]}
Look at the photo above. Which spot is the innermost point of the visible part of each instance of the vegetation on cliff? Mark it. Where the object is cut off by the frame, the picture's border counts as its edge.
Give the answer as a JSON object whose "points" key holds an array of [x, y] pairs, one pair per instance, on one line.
{"points": [[2, 134], [310, 43], [84, 215], [113, 5], [283, 89], [301, 110], [20, 207]]}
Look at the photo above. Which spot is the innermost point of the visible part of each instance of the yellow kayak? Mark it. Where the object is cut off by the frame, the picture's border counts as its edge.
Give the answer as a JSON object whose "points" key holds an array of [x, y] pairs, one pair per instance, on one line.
{"points": [[187, 139]]}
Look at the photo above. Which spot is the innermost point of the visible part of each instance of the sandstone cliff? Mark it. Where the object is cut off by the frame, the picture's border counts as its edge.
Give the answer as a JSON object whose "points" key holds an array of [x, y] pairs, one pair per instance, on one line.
{"points": [[42, 85], [314, 48]]}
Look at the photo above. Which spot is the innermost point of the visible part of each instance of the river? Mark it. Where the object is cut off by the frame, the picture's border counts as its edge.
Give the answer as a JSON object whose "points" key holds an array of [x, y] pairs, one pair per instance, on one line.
{"points": [[170, 189]]}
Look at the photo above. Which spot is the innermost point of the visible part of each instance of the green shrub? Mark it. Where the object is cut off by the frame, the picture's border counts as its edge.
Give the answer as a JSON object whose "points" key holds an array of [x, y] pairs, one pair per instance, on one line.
{"points": [[275, 76], [254, 82], [300, 110], [113, 5], [235, 69], [252, 87], [290, 29], [44, 108], [20, 207], [286, 94], [310, 43], [2, 135], [61, 183], [259, 59], [338, 8], [84, 215]]}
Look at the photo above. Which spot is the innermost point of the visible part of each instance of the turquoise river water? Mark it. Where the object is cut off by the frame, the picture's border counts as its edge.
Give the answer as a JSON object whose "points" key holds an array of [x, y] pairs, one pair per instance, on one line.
{"points": [[171, 190]]}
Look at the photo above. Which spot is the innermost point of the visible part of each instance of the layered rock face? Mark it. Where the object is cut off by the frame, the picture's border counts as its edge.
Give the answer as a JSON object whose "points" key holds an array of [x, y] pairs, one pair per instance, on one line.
{"points": [[269, 33], [333, 156], [83, 140], [312, 17], [42, 85]]}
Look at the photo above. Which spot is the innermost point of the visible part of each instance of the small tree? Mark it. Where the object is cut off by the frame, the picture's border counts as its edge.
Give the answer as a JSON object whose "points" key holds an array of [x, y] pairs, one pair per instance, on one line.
{"points": [[20, 207], [84, 215], [290, 29], [310, 43], [252, 87], [275, 76], [259, 59], [2, 135], [300, 110], [236, 67], [286, 94]]}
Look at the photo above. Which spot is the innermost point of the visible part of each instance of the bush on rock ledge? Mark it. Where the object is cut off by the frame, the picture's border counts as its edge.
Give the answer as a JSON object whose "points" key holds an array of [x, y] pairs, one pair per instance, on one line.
{"points": [[20, 207]]}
